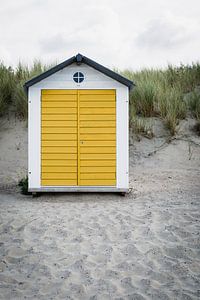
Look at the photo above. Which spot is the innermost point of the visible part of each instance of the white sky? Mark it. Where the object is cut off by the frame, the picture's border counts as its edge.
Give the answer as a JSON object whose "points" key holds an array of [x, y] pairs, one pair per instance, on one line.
{"points": [[116, 33]]}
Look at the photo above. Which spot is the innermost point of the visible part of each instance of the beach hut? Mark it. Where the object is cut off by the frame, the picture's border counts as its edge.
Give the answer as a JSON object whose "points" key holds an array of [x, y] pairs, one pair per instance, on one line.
{"points": [[78, 129]]}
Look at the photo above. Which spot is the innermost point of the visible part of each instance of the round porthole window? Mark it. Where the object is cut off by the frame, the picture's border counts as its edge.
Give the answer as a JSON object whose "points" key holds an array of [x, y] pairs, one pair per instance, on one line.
{"points": [[78, 77]]}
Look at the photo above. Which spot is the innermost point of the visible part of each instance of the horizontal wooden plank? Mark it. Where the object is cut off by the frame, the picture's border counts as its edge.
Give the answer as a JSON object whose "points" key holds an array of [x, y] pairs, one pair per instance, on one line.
{"points": [[60, 123], [97, 123], [93, 117], [57, 97], [97, 130], [97, 111], [59, 111], [59, 130], [95, 104], [60, 156], [59, 92], [59, 149], [97, 176], [57, 104], [98, 163], [59, 117], [97, 149], [103, 156], [98, 182], [94, 98], [58, 175], [59, 169], [95, 170], [97, 143], [59, 143], [59, 162], [98, 137], [59, 137], [96, 92], [59, 182]]}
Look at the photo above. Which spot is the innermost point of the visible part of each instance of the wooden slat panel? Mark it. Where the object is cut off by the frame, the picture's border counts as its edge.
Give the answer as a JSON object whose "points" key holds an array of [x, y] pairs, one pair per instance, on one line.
{"points": [[97, 117], [59, 137], [59, 162], [98, 170], [59, 92], [54, 143], [55, 98], [59, 150], [100, 98], [59, 130], [57, 110], [97, 130], [59, 176], [98, 176], [97, 92], [97, 124], [59, 169], [97, 156], [96, 104], [59, 182], [60, 123], [59, 117], [98, 182], [57, 104], [97, 111], [60, 156], [98, 137], [98, 143], [98, 163], [97, 149]]}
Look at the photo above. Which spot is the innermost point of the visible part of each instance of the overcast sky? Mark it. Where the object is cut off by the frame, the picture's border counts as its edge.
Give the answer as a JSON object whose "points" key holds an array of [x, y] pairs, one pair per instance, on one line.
{"points": [[116, 33]]}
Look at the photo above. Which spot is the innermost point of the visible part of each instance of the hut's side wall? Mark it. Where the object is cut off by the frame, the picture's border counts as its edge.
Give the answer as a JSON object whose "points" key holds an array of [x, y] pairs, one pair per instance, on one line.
{"points": [[63, 80]]}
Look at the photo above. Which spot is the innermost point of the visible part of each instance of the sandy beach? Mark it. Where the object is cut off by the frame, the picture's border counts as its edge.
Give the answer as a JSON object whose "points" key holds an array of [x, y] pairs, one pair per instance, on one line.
{"points": [[104, 246]]}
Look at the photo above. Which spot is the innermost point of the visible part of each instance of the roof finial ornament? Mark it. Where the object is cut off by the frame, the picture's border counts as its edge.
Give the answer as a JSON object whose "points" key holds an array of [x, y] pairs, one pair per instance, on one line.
{"points": [[79, 58]]}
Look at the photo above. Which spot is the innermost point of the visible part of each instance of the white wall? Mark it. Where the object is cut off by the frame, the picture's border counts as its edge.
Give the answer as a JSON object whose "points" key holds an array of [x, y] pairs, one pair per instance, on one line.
{"points": [[63, 79]]}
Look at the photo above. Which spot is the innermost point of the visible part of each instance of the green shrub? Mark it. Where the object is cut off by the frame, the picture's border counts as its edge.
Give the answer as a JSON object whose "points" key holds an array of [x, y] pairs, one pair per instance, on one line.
{"points": [[194, 103], [20, 101], [23, 184]]}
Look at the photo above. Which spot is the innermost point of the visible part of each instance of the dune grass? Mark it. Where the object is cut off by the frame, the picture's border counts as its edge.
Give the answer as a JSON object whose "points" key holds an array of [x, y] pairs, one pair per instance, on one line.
{"points": [[157, 93]]}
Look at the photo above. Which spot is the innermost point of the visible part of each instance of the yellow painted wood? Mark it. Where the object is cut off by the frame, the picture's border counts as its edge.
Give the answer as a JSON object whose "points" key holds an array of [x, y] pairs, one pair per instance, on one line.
{"points": [[59, 162], [58, 175], [59, 123], [78, 136], [58, 92], [90, 156], [97, 111], [97, 149], [59, 169], [96, 104], [97, 124], [96, 92], [56, 104], [54, 117], [59, 111], [97, 117], [59, 137], [56, 98], [97, 143], [98, 130], [59, 150], [58, 182], [53, 143], [95, 170], [98, 176], [98, 182], [59, 156], [97, 137], [98, 163], [99, 98], [59, 130]]}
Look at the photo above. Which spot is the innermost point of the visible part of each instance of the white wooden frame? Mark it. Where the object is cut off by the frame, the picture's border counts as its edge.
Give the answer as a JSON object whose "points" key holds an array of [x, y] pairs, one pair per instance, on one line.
{"points": [[64, 80]]}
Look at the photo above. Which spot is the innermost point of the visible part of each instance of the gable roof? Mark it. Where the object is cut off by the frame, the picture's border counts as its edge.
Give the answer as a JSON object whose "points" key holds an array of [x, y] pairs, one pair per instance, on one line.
{"points": [[79, 59]]}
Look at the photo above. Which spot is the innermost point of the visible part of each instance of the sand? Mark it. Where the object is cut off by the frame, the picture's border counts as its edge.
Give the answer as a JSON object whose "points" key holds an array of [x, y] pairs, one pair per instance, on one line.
{"points": [[104, 246]]}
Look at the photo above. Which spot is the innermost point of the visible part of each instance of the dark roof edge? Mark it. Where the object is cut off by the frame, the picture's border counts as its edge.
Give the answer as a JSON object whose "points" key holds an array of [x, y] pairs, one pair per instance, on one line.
{"points": [[79, 58]]}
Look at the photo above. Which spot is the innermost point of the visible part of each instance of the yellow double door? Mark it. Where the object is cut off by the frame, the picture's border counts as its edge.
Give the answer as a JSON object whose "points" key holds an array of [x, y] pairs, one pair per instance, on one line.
{"points": [[78, 138]]}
